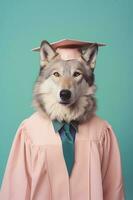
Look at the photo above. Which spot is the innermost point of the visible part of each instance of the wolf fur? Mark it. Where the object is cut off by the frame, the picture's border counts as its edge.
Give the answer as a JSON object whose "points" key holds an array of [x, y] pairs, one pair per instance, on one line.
{"points": [[57, 74]]}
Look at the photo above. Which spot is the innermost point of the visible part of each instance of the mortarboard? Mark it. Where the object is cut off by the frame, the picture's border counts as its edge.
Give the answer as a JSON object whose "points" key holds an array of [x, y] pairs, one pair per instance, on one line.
{"points": [[70, 43], [69, 49]]}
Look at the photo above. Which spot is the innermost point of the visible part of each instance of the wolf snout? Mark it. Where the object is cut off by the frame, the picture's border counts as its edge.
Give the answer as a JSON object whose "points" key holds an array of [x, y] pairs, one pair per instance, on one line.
{"points": [[65, 94]]}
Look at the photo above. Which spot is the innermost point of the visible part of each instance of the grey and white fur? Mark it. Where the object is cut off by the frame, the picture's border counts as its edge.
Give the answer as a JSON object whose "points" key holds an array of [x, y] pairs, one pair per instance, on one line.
{"points": [[65, 89]]}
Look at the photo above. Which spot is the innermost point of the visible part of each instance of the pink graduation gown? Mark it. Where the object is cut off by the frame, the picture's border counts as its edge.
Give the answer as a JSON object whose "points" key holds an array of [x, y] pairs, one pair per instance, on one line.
{"points": [[36, 167]]}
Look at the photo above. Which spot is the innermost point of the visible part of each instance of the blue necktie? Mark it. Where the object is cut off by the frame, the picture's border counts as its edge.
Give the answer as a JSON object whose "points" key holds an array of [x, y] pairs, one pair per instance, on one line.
{"points": [[68, 148]]}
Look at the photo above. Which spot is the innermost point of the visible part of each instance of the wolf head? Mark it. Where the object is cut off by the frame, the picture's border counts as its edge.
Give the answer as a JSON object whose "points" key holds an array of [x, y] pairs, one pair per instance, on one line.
{"points": [[65, 88]]}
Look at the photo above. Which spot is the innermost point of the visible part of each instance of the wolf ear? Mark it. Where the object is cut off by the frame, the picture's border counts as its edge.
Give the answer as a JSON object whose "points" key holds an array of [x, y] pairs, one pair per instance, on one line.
{"points": [[46, 52], [89, 55]]}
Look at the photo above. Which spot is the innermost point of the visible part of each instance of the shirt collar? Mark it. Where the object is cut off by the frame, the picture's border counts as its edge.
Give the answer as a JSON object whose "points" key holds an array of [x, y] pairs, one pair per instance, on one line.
{"points": [[58, 125]]}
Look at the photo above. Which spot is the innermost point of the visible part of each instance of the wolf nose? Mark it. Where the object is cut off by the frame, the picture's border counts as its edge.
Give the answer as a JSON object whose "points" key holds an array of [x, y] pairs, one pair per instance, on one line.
{"points": [[65, 94]]}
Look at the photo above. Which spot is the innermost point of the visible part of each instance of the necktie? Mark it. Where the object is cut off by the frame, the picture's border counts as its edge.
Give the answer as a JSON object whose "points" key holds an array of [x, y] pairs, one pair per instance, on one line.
{"points": [[68, 148]]}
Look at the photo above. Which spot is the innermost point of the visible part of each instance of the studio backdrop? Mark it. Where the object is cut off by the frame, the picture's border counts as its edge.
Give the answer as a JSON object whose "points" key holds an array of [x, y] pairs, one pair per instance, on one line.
{"points": [[24, 24]]}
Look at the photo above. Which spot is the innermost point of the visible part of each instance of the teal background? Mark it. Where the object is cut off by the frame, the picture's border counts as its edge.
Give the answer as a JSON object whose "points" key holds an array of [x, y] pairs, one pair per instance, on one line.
{"points": [[23, 24]]}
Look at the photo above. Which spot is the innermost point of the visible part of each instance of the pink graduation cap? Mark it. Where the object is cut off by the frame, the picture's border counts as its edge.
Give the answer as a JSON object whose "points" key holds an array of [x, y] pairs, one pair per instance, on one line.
{"points": [[69, 48], [65, 43]]}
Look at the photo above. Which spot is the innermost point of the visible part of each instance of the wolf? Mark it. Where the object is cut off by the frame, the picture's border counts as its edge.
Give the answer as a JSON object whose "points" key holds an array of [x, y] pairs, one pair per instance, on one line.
{"points": [[65, 88], [40, 160]]}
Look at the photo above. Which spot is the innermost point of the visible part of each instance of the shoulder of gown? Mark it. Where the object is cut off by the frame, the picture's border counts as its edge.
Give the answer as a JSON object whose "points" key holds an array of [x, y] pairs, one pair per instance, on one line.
{"points": [[36, 127], [21, 167]]}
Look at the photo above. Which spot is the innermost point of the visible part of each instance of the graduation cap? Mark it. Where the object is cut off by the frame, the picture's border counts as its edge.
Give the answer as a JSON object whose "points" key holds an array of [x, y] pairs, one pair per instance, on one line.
{"points": [[69, 49], [70, 43]]}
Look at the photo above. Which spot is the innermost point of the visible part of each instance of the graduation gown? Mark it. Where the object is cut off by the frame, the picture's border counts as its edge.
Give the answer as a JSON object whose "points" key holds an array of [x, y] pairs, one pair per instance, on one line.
{"points": [[36, 168]]}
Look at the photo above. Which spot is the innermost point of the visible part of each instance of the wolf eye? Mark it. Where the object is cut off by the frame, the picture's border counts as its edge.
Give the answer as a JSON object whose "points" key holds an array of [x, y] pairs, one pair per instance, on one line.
{"points": [[56, 74], [76, 74]]}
